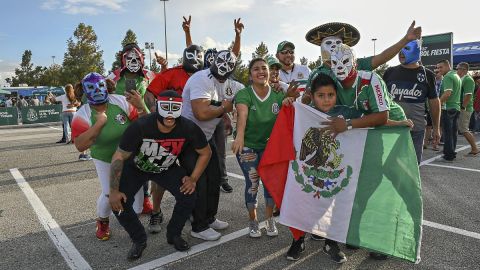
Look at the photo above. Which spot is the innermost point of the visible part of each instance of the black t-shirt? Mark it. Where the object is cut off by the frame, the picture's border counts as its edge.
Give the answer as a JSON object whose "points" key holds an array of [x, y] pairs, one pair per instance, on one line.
{"points": [[154, 151], [411, 88]]}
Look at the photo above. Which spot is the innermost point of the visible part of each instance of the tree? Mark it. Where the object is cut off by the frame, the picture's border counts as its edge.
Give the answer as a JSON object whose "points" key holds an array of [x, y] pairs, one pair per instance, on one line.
{"points": [[82, 56], [130, 37], [240, 73], [312, 65], [261, 51], [52, 76], [304, 61], [155, 67], [381, 69], [27, 73]]}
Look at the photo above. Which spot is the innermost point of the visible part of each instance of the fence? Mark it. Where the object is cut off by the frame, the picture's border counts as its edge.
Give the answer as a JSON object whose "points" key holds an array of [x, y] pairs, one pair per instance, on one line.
{"points": [[30, 115]]}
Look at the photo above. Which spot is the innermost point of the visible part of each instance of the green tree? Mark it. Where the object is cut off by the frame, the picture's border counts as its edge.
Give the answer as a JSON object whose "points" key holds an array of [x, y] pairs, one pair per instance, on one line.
{"points": [[83, 55], [52, 76], [261, 51], [155, 67], [312, 65], [304, 61], [130, 37], [240, 73], [381, 69], [24, 72]]}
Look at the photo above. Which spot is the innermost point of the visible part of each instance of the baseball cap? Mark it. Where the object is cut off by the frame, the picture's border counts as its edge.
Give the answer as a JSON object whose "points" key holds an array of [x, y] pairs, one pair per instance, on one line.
{"points": [[272, 61], [284, 43]]}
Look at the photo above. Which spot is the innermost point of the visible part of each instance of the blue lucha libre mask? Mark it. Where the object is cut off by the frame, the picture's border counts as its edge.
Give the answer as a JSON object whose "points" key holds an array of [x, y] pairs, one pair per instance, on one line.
{"points": [[95, 88], [209, 57], [411, 52]]}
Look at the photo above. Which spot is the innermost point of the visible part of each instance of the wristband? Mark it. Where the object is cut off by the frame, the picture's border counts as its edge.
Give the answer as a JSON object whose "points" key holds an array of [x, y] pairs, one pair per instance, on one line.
{"points": [[349, 124]]}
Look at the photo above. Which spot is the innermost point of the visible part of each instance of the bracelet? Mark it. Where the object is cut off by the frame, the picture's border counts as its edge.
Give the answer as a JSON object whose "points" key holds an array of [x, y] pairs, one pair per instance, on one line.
{"points": [[349, 124]]}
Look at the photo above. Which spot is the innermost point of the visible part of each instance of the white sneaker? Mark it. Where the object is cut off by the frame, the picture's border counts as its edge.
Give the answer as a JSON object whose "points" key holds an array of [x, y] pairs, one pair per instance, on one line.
{"points": [[207, 235], [254, 230], [218, 225], [271, 227]]}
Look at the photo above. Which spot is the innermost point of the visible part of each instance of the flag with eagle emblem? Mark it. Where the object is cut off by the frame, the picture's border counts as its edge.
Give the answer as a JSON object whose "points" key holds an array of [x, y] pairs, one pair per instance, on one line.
{"points": [[361, 188]]}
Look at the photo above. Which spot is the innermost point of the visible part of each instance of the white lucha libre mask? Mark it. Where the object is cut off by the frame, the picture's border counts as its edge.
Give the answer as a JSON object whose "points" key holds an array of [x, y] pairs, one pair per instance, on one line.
{"points": [[328, 46], [343, 62], [133, 61], [169, 107]]}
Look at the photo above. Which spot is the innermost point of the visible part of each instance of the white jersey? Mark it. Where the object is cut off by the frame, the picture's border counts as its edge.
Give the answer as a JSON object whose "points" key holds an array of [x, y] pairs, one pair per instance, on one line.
{"points": [[300, 74], [202, 85]]}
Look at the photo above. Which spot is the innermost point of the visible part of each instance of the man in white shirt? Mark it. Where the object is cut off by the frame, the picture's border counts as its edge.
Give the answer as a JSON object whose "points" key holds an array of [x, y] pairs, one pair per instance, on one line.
{"points": [[291, 71], [207, 96]]}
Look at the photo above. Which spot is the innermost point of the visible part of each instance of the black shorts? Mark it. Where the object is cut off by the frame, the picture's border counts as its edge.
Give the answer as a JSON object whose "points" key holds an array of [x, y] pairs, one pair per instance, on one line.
{"points": [[429, 120]]}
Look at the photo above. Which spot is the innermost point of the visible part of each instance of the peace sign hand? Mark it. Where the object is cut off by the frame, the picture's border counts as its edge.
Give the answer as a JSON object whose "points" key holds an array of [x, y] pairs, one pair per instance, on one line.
{"points": [[238, 26], [186, 23]]}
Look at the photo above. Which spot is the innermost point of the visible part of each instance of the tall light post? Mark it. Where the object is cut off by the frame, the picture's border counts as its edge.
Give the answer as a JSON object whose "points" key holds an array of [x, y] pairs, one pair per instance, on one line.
{"points": [[53, 59], [374, 39], [149, 46], [165, 23]]}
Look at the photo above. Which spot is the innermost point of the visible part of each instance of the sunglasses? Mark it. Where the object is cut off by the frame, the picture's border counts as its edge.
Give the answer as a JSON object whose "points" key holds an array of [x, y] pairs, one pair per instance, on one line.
{"points": [[287, 51]]}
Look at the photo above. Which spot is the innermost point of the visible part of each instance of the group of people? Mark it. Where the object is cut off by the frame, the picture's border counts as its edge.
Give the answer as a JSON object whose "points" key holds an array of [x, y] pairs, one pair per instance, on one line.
{"points": [[170, 128]]}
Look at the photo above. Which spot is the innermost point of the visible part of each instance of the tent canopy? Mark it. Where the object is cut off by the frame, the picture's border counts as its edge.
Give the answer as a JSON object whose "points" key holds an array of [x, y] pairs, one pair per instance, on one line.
{"points": [[467, 52]]}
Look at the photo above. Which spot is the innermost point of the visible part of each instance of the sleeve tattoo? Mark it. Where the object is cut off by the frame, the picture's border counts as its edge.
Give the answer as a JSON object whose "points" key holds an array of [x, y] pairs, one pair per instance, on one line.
{"points": [[116, 169]]}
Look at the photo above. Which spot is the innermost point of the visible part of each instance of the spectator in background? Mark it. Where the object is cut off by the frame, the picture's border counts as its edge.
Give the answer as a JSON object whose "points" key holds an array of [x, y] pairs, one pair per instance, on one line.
{"points": [[69, 107], [476, 103], [9, 102], [466, 106], [34, 101], [450, 94], [22, 103], [429, 128]]}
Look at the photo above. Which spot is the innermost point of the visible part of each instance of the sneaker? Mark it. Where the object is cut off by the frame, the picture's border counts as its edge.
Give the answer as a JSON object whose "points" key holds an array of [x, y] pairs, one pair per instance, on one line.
{"points": [[271, 227], [103, 230], [207, 235], [225, 187], [297, 247], [218, 225], [254, 229], [84, 157], [444, 160], [316, 237], [147, 206], [136, 251], [335, 253], [154, 223], [378, 256], [62, 141]]}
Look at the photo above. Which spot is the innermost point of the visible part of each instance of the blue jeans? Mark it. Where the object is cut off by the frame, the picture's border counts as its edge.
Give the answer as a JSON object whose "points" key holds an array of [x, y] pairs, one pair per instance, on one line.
{"points": [[248, 160], [67, 121], [417, 138], [450, 131]]}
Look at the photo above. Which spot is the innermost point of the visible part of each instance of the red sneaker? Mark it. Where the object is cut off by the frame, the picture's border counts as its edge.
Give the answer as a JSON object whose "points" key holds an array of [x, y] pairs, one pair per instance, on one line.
{"points": [[103, 230], [147, 206]]}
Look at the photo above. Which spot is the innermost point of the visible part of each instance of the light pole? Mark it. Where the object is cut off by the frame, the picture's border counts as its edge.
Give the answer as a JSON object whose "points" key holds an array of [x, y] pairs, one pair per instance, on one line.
{"points": [[149, 47], [165, 23], [374, 39], [53, 59]]}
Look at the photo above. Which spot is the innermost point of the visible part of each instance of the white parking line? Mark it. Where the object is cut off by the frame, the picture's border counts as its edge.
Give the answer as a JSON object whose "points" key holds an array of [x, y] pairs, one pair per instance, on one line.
{"points": [[430, 160], [453, 167], [28, 137], [71, 255], [51, 127], [451, 229], [193, 250]]}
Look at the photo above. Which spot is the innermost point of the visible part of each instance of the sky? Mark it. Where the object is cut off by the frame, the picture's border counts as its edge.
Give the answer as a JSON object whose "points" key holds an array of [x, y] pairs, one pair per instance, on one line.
{"points": [[43, 26]]}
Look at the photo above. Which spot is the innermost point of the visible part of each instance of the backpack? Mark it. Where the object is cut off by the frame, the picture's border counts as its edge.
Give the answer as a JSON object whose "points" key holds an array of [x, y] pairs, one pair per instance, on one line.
{"points": [[476, 101]]}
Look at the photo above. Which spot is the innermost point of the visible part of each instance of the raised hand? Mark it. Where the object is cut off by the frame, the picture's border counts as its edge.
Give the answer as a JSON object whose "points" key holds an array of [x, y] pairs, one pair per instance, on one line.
{"points": [[413, 32], [238, 26], [186, 23]]}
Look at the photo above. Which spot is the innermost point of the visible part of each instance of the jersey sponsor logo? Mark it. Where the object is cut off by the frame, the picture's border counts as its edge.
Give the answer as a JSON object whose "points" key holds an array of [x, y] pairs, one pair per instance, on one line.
{"points": [[121, 119], [253, 108], [300, 75], [275, 108], [399, 93], [158, 155], [379, 94], [420, 77]]}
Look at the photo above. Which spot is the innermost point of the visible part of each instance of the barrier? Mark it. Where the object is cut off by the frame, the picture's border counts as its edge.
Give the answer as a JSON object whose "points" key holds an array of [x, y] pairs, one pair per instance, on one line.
{"points": [[41, 114], [8, 116]]}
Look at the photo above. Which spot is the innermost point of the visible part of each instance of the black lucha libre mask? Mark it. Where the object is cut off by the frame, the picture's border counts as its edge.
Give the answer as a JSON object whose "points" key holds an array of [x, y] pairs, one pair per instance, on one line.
{"points": [[224, 65], [193, 59], [132, 59], [169, 104]]}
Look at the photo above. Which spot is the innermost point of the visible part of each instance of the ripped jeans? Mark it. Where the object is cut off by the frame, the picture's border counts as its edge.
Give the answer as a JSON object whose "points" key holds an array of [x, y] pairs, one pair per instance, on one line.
{"points": [[248, 160]]}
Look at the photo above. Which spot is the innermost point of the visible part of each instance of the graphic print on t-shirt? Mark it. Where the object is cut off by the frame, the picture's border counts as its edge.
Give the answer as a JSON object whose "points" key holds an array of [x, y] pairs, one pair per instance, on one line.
{"points": [[156, 156]]}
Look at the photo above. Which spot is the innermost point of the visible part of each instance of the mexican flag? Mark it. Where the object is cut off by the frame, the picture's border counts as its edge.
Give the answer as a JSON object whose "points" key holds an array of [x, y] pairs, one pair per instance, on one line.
{"points": [[361, 188]]}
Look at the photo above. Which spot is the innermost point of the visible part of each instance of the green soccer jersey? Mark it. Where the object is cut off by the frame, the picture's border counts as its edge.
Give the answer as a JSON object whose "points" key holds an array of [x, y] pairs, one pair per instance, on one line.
{"points": [[140, 82], [261, 115], [345, 111], [468, 88], [369, 95], [452, 82], [362, 64]]}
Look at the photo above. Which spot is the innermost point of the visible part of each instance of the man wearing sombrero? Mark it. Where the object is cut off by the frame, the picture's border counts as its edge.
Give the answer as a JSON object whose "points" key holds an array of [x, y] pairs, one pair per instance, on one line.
{"points": [[328, 36]]}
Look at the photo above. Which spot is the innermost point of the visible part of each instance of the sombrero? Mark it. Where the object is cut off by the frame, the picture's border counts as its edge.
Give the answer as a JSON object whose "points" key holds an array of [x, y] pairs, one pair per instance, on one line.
{"points": [[345, 31]]}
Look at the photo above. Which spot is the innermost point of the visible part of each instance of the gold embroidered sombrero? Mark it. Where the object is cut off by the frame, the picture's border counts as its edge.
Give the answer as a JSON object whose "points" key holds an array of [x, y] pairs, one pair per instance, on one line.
{"points": [[345, 31]]}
